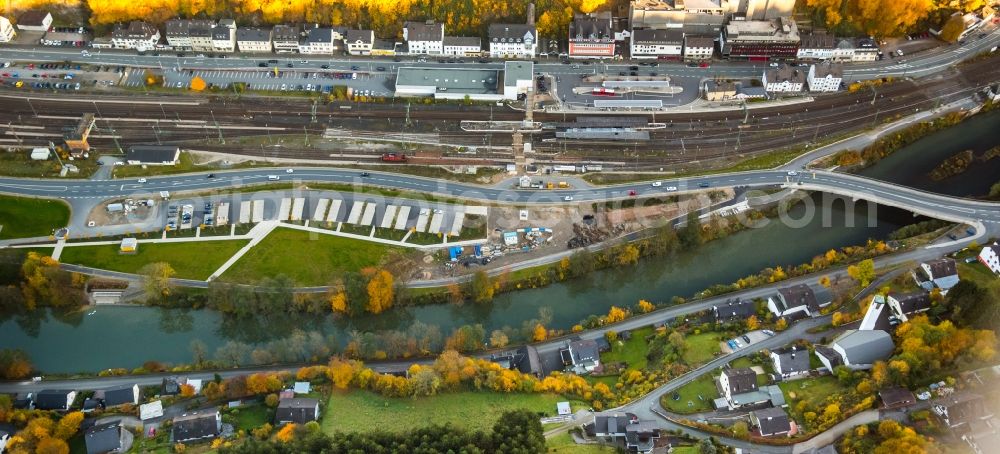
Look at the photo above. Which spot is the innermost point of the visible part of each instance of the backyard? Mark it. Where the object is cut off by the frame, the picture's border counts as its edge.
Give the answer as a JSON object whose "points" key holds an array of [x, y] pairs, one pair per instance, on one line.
{"points": [[563, 443], [688, 400], [815, 391], [355, 410], [306, 257], [701, 348], [190, 260], [631, 352], [22, 217]]}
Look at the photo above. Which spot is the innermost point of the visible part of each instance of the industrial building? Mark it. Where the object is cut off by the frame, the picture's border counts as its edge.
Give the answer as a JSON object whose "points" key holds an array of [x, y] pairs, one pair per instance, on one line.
{"points": [[458, 83]]}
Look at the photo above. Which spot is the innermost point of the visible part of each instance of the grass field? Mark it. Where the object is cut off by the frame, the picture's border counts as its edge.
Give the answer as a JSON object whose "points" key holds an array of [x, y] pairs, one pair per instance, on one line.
{"points": [[189, 260], [306, 257], [632, 352], [563, 443], [22, 217], [701, 348], [185, 164], [703, 386], [20, 164], [813, 390], [976, 272], [251, 416], [358, 411]]}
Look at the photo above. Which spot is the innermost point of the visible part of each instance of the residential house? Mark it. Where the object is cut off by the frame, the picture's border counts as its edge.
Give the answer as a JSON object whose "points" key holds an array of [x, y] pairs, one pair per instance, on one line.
{"points": [[738, 380], [734, 309], [524, 359], [318, 41], [250, 39], [610, 425], [962, 409], [297, 411], [783, 79], [888, 311], [157, 155], [790, 362], [171, 386], [896, 397], [53, 399], [582, 356], [723, 91], [816, 46], [137, 35], [663, 44], [385, 48], [151, 410], [856, 349], [591, 36], [107, 438], [463, 46], [224, 36], [35, 21], [641, 436], [825, 77], [119, 395], [7, 33], [359, 42], [744, 92], [771, 422], [990, 256], [286, 38], [424, 37], [865, 50], [197, 426], [698, 48], [798, 298], [760, 39], [190, 34], [513, 40], [939, 273]]}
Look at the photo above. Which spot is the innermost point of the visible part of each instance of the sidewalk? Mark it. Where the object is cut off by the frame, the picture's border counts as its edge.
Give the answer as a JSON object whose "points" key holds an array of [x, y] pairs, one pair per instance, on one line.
{"points": [[256, 235]]}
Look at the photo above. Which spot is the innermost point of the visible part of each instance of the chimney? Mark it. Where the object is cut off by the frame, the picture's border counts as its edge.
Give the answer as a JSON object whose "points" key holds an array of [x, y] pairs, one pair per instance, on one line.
{"points": [[531, 14]]}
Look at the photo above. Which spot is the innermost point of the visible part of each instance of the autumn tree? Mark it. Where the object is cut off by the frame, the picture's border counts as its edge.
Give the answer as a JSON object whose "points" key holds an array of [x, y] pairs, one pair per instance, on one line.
{"points": [[781, 324], [43, 282], [52, 446], [14, 364], [752, 323], [498, 339], [338, 301], [825, 281], [187, 390], [863, 272], [481, 287], [628, 255], [645, 306], [539, 333], [68, 425], [198, 84], [830, 10], [615, 314], [156, 279], [381, 292], [341, 372], [286, 434]]}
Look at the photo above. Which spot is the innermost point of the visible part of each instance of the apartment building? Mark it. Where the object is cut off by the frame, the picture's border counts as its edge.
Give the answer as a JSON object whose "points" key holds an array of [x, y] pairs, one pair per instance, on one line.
{"points": [[136, 35], [424, 37], [224, 36], [591, 36], [513, 40], [254, 40], [649, 43]]}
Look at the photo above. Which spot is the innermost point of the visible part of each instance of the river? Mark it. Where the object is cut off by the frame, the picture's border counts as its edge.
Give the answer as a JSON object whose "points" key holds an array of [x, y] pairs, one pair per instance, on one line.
{"points": [[128, 336]]}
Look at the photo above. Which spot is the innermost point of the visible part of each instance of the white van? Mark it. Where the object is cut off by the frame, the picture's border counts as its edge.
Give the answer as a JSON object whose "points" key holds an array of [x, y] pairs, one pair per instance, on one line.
{"points": [[273, 177]]}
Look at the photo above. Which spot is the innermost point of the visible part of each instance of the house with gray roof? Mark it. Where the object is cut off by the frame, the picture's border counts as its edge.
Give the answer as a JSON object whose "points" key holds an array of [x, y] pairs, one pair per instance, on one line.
{"points": [[734, 309], [254, 39], [118, 395], [196, 426], [962, 409], [296, 410], [798, 298], [738, 388], [512, 40], [591, 36], [790, 362], [635, 436], [286, 38], [582, 355], [856, 349], [886, 312], [641, 436], [424, 37], [463, 46], [359, 42], [771, 422], [107, 438], [318, 41], [54, 399], [939, 273]]}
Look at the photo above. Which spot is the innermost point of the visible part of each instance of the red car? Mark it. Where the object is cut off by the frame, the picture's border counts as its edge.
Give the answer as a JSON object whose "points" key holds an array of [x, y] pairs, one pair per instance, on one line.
{"points": [[631, 192], [703, 64]]}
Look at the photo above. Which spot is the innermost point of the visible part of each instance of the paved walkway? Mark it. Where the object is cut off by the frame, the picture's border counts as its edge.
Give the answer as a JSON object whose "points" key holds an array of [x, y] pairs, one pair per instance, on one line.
{"points": [[256, 235]]}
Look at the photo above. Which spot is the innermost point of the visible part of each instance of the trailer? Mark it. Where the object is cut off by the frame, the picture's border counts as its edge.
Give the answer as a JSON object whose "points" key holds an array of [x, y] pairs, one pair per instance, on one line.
{"points": [[390, 213], [319, 214], [222, 214], [245, 212], [369, 215], [298, 205], [404, 213], [258, 211], [285, 209], [334, 212]]}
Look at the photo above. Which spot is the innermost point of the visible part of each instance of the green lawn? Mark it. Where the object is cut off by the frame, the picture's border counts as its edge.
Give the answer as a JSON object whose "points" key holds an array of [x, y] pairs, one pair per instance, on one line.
{"points": [[632, 352], [689, 402], [306, 257], [185, 165], [191, 260], [563, 443], [686, 450], [813, 390], [701, 348], [362, 411], [23, 217], [251, 417], [976, 272]]}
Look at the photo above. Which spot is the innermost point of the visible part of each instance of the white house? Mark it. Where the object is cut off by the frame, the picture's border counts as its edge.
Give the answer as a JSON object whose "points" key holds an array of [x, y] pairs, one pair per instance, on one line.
{"points": [[193, 34], [698, 48], [783, 79], [424, 37], [513, 40], [35, 21], [286, 38], [224, 36], [359, 42], [463, 46], [790, 362], [649, 43], [136, 35], [254, 40], [825, 76], [990, 256], [816, 46], [7, 32], [797, 298], [318, 41]]}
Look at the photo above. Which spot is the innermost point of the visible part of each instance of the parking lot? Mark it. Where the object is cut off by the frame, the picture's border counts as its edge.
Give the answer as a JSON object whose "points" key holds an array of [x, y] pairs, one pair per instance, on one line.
{"points": [[324, 209], [376, 83], [59, 76]]}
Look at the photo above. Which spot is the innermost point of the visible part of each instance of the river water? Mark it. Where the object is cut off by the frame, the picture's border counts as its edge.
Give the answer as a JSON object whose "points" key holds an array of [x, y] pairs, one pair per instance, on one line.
{"points": [[128, 336]]}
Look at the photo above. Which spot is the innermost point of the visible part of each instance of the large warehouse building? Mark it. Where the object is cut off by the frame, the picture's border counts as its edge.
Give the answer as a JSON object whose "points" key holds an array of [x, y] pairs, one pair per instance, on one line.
{"points": [[457, 83]]}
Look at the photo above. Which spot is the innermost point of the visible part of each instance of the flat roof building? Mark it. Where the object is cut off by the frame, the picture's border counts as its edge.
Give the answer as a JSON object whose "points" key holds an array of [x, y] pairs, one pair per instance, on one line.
{"points": [[761, 40]]}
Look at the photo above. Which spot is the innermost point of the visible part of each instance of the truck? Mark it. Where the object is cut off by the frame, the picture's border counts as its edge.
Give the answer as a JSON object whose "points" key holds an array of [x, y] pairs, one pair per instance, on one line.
{"points": [[187, 214], [563, 185], [393, 157]]}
